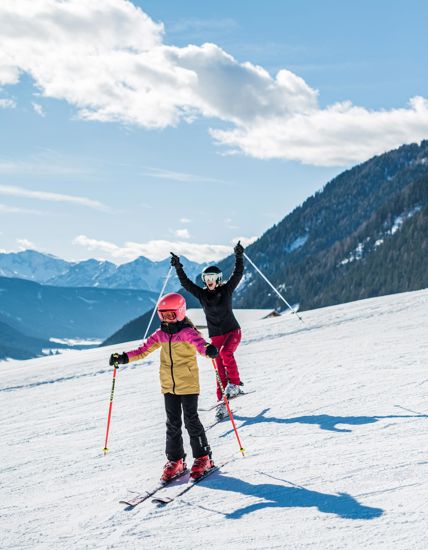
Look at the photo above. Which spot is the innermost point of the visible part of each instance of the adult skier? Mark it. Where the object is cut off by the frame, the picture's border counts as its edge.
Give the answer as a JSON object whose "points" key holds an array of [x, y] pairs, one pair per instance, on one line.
{"points": [[223, 328], [179, 375]]}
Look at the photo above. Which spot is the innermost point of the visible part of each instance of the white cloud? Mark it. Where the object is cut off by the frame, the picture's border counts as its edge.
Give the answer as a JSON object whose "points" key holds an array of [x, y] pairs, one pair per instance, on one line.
{"points": [[51, 197], [182, 233], [5, 209], [46, 162], [40, 168], [7, 104], [38, 109], [154, 250], [179, 176], [185, 220], [338, 135], [25, 244], [108, 59], [245, 241]]}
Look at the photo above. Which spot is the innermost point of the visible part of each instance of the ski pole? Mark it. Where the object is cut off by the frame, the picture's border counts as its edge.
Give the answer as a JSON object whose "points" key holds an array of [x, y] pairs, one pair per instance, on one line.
{"points": [[116, 366], [226, 400], [158, 300], [271, 285]]}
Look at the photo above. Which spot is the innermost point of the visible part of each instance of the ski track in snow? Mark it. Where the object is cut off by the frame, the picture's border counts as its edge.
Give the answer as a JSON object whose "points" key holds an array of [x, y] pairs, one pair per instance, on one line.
{"points": [[335, 438]]}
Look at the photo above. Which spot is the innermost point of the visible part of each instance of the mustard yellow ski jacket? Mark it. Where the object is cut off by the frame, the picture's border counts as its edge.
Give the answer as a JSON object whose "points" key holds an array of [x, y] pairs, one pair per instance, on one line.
{"points": [[179, 372]]}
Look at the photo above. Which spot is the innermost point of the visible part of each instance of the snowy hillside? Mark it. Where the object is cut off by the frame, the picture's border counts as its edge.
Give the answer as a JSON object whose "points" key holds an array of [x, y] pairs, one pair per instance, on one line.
{"points": [[336, 440]]}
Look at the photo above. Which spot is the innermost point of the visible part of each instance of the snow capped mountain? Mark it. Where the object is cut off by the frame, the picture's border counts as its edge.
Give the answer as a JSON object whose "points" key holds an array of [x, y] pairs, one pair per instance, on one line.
{"points": [[90, 273], [32, 265], [142, 273], [334, 436]]}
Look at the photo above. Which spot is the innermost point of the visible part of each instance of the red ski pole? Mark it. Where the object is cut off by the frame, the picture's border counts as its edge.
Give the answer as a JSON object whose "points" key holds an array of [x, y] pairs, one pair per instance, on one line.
{"points": [[116, 366], [226, 401]]}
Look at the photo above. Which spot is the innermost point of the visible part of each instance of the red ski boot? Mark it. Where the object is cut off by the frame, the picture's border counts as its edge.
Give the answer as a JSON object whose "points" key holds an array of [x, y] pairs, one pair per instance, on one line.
{"points": [[200, 466], [173, 468]]}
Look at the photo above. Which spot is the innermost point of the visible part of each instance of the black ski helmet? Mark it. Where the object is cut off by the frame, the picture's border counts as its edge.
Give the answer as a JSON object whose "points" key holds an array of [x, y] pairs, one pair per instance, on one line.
{"points": [[213, 270]]}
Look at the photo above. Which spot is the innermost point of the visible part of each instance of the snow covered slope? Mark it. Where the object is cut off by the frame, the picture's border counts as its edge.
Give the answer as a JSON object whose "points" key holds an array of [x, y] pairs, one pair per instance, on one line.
{"points": [[336, 440]]}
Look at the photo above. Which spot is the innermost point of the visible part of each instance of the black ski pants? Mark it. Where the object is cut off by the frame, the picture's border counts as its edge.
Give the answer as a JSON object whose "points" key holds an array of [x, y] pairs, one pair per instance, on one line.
{"points": [[174, 404]]}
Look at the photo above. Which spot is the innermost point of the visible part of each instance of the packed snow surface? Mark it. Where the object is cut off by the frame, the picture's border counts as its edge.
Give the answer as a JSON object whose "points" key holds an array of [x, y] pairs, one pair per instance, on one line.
{"points": [[335, 436]]}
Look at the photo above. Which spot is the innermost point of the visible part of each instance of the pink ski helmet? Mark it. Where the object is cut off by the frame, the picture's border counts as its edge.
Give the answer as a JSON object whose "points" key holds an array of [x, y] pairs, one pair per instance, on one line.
{"points": [[172, 308]]}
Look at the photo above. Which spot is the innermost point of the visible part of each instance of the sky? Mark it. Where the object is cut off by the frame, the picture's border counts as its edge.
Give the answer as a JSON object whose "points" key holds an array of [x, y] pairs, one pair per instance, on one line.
{"points": [[136, 128]]}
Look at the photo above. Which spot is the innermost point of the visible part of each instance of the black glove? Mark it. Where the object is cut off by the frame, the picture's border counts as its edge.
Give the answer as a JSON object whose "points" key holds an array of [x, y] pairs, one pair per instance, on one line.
{"points": [[120, 358], [211, 351], [175, 260], [239, 249]]}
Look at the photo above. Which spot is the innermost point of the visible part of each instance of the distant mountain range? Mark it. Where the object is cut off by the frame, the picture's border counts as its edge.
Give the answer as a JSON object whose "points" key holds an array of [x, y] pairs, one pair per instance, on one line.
{"points": [[84, 300], [364, 234], [140, 274]]}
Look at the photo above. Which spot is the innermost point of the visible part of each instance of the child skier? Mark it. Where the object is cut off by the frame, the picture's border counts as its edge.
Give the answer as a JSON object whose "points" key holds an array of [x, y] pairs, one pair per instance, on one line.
{"points": [[179, 375], [223, 328]]}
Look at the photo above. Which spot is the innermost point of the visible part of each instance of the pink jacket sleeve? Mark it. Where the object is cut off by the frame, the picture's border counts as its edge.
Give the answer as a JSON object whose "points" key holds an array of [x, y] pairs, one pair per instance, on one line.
{"points": [[193, 337], [151, 344]]}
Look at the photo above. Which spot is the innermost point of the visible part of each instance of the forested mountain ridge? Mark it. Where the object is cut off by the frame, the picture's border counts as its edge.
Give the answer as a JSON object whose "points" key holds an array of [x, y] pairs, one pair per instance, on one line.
{"points": [[362, 235]]}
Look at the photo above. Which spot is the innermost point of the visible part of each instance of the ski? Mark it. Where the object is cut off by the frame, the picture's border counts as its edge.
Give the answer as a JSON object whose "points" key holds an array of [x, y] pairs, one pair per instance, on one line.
{"points": [[138, 498], [163, 501], [221, 401], [217, 421]]}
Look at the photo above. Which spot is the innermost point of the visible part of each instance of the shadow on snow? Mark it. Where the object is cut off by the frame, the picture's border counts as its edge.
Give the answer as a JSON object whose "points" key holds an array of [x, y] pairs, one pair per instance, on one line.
{"points": [[324, 421], [280, 496]]}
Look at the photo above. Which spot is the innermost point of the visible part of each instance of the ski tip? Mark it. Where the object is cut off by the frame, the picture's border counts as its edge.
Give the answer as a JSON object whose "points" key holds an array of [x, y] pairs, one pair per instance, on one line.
{"points": [[161, 501], [127, 504]]}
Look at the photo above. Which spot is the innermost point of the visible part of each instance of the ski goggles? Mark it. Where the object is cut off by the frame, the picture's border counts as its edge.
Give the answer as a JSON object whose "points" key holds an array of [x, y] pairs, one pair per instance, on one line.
{"points": [[211, 278], [168, 315]]}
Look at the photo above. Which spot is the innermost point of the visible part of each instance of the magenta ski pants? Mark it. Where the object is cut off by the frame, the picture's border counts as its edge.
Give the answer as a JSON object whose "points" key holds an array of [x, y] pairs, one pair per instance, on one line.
{"points": [[226, 363]]}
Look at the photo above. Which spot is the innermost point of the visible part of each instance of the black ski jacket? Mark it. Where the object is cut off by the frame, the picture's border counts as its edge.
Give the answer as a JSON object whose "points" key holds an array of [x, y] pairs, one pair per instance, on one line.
{"points": [[217, 303]]}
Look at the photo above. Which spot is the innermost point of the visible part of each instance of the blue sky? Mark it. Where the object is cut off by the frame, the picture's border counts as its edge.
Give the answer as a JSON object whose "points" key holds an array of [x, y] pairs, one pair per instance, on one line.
{"points": [[138, 128]]}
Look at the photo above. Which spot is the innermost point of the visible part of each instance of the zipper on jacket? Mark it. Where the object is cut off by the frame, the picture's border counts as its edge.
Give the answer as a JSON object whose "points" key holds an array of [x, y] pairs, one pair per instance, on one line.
{"points": [[172, 369]]}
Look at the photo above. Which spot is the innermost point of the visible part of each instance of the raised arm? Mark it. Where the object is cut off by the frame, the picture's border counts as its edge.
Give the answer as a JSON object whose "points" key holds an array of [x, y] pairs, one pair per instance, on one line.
{"points": [[184, 279], [233, 282]]}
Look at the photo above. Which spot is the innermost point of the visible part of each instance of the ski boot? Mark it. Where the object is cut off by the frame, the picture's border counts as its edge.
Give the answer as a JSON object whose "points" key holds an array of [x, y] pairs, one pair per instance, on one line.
{"points": [[232, 390], [200, 466], [221, 411], [173, 468]]}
